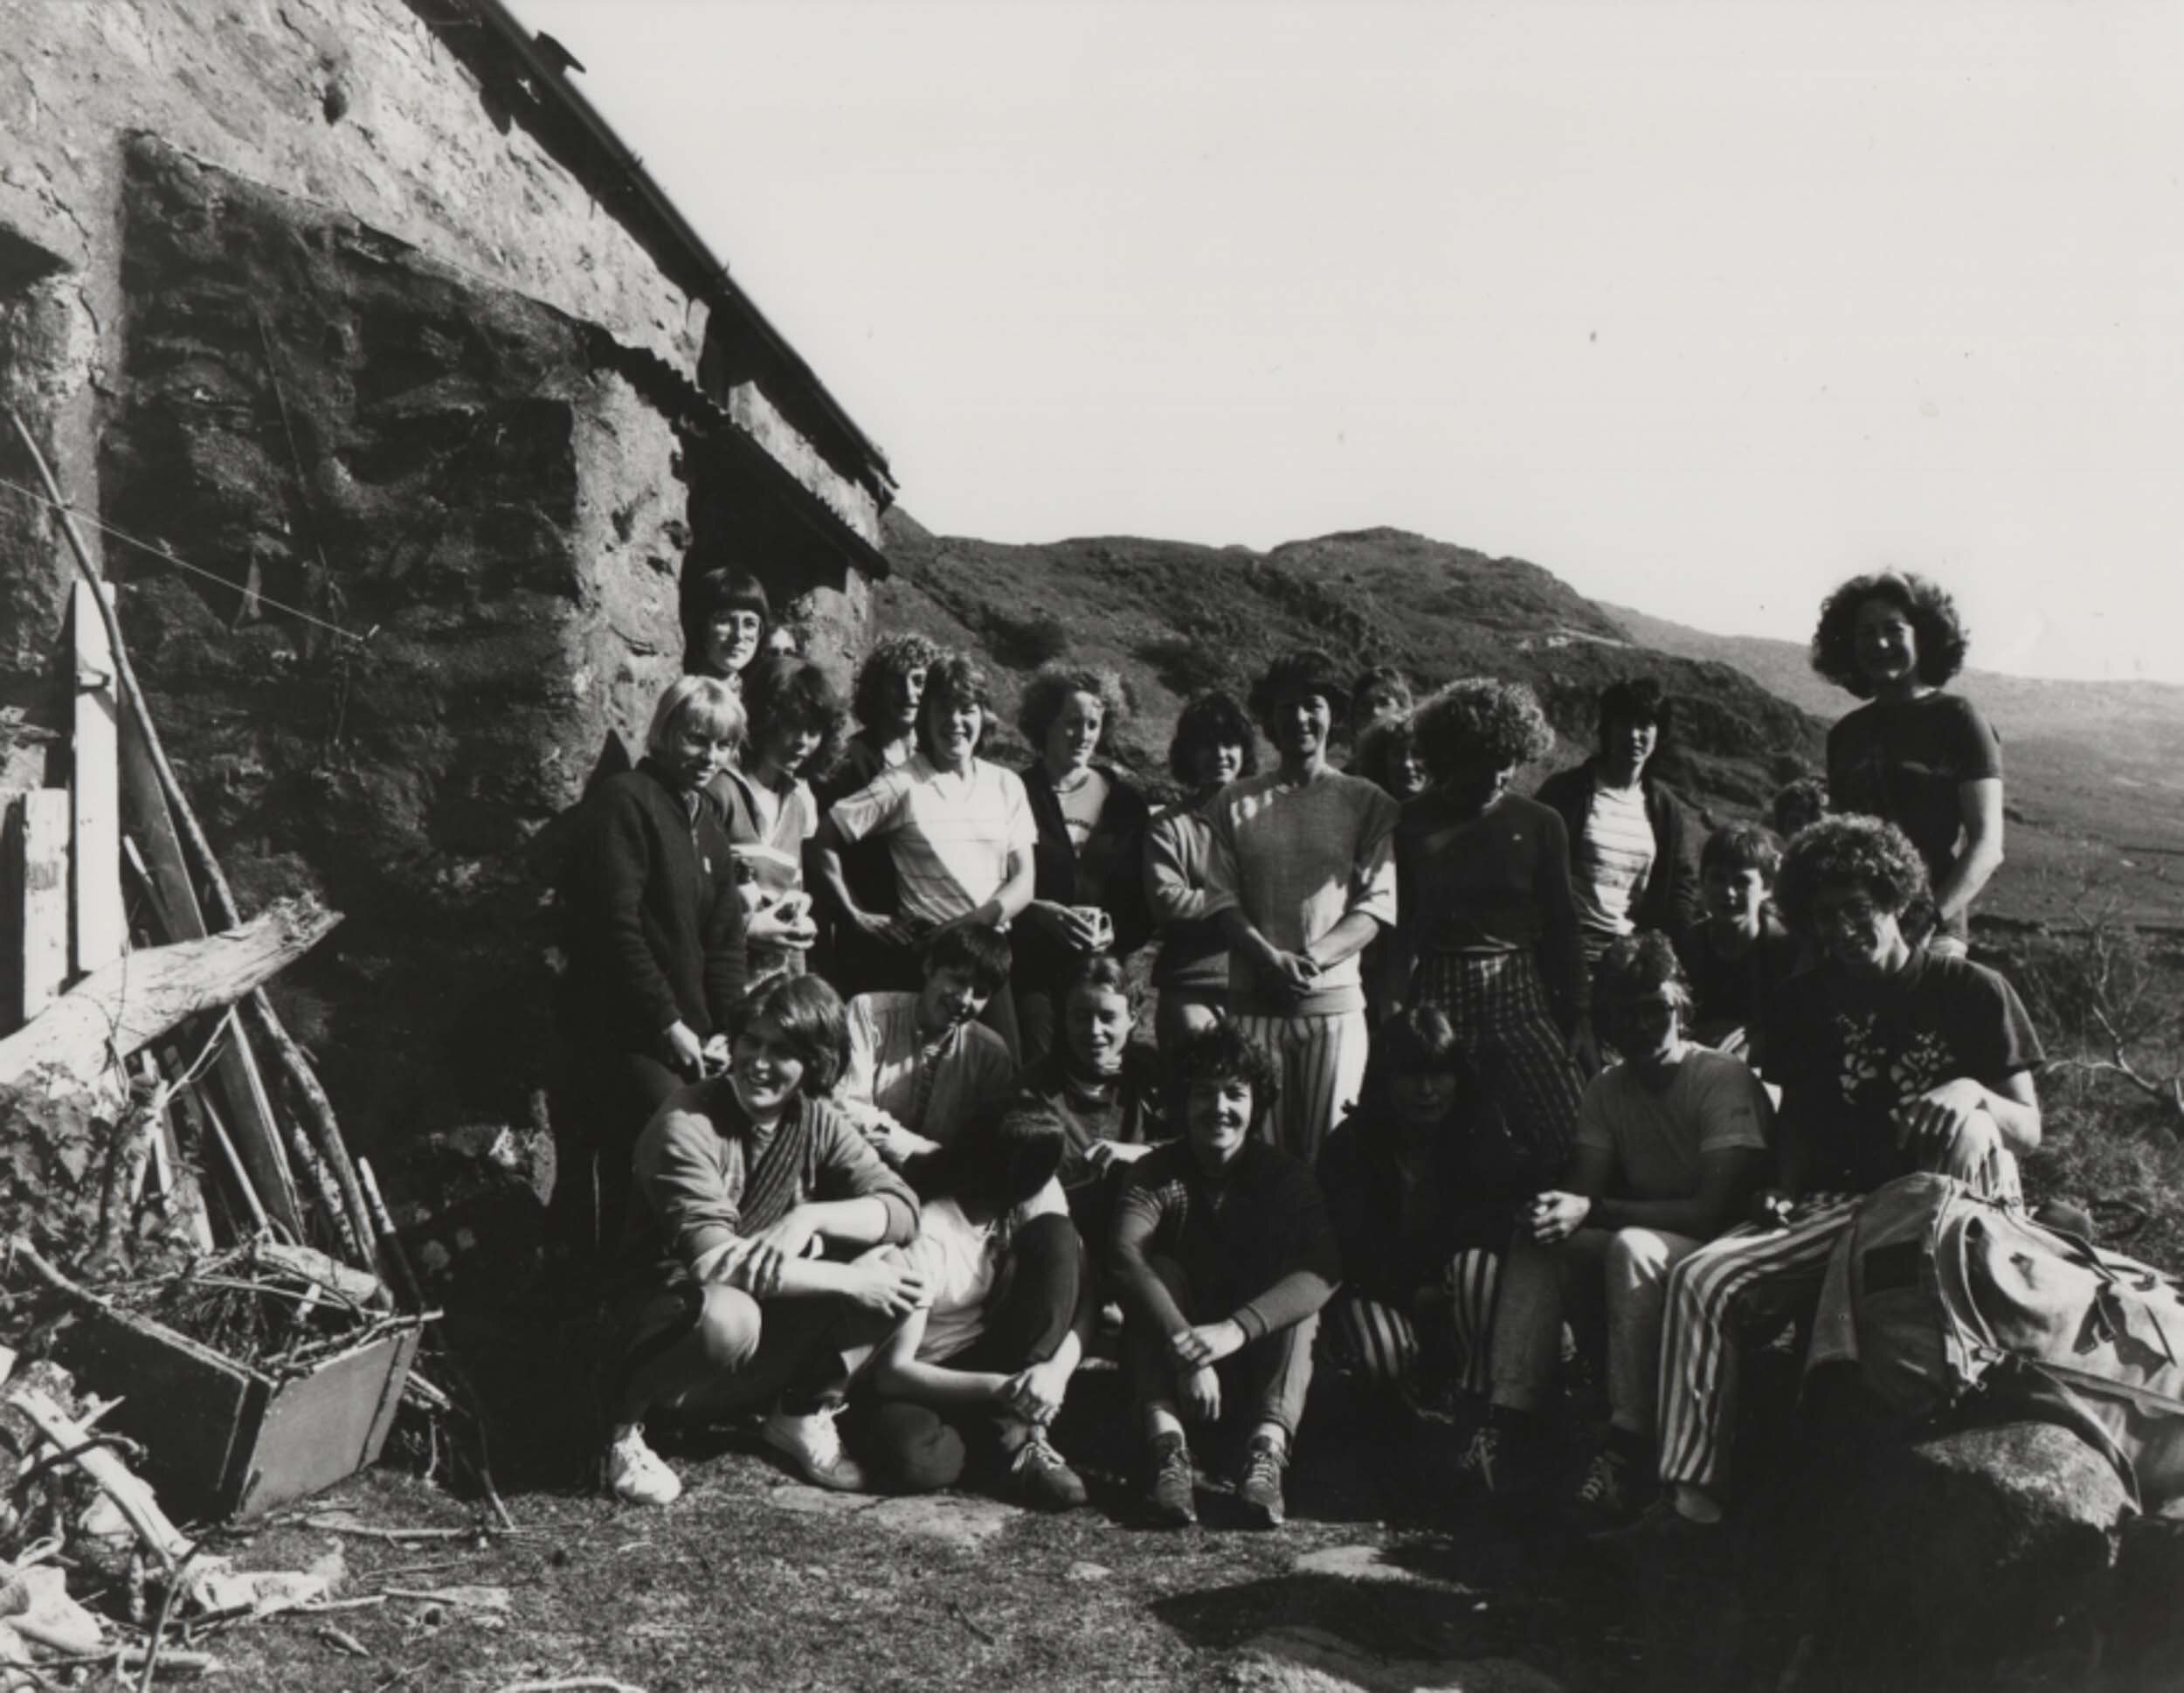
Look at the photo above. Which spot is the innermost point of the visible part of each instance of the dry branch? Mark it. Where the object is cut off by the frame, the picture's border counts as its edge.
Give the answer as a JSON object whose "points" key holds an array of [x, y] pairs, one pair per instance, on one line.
{"points": [[133, 1001], [161, 1538]]}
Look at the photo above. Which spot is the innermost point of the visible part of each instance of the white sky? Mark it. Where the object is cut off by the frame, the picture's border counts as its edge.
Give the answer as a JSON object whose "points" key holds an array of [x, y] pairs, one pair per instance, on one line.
{"points": [[1702, 307]]}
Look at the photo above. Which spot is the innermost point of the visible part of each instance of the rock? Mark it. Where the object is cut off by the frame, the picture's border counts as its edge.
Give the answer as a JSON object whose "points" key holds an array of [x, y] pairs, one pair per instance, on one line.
{"points": [[814, 1501], [1313, 1660], [1369, 1564], [2145, 1619], [1081, 1571], [953, 1521], [1971, 1546]]}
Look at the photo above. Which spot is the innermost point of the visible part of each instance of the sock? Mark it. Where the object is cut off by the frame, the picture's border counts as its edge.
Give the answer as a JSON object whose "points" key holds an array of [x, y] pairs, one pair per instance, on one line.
{"points": [[1160, 1422], [1272, 1435], [1629, 1443]]}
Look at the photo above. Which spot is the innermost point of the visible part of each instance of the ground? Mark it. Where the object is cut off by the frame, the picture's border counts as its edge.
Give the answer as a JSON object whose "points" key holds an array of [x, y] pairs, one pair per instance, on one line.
{"points": [[1382, 1580]]}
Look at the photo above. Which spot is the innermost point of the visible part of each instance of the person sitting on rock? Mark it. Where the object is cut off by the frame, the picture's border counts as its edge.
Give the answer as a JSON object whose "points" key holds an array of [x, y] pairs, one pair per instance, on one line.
{"points": [[1630, 866], [1736, 957], [921, 1064], [984, 1363], [742, 1183], [1671, 1141], [1302, 877], [1891, 1059], [1101, 1086], [1223, 1255], [1411, 1189]]}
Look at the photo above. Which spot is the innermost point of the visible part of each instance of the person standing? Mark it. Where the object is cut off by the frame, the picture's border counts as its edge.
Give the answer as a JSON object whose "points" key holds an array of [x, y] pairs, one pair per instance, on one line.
{"points": [[725, 612], [657, 960], [960, 831], [1915, 756], [795, 718], [1212, 746], [1303, 877], [1087, 897]]}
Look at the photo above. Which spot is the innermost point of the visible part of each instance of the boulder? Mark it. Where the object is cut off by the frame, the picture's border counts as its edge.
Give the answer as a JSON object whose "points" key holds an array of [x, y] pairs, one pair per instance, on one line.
{"points": [[2145, 1615], [1967, 1547]]}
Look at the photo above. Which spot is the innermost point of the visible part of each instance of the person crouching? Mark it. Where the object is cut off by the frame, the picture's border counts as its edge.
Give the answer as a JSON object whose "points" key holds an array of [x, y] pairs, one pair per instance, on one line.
{"points": [[1223, 1254]]}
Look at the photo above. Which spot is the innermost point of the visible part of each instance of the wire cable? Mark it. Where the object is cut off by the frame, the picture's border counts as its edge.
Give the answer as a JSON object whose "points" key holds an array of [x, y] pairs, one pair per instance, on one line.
{"points": [[167, 556]]}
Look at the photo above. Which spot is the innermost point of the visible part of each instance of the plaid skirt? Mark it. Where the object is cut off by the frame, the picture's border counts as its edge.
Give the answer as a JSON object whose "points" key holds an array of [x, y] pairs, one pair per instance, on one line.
{"points": [[1498, 1007]]}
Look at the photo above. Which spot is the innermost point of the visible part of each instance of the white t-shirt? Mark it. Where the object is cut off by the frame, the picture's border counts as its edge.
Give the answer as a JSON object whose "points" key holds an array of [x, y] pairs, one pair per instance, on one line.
{"points": [[961, 1262], [950, 836], [1712, 1103]]}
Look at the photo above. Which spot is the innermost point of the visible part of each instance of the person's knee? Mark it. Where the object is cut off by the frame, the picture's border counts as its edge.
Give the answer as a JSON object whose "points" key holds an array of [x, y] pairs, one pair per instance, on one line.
{"points": [[1638, 1257], [729, 1328]]}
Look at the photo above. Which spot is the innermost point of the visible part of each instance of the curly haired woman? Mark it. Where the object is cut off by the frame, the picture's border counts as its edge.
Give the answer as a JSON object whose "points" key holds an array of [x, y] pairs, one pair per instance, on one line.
{"points": [[1914, 756], [1088, 897]]}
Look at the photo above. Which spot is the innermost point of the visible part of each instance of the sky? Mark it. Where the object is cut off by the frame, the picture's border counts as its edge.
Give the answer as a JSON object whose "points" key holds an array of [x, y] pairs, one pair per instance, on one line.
{"points": [[1702, 306]]}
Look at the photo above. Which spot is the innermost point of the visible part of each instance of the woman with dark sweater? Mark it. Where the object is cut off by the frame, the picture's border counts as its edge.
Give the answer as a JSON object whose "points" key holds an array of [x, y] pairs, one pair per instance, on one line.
{"points": [[1086, 896], [884, 700], [656, 952]]}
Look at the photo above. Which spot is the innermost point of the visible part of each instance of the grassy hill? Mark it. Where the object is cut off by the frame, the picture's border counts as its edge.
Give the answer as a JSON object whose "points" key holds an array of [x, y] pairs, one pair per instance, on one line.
{"points": [[2094, 770], [1174, 619]]}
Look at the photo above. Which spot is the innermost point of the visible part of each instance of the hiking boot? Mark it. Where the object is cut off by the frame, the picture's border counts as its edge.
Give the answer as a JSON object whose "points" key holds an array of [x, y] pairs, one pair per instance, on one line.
{"points": [[1659, 1530], [813, 1447], [1039, 1476], [1172, 1497], [1613, 1489], [1259, 1485], [635, 1474]]}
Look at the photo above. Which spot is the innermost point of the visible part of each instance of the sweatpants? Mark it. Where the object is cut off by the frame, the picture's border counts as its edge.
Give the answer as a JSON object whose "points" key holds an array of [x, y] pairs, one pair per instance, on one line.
{"points": [[1323, 1065], [1751, 1281], [1265, 1381], [1617, 1279], [909, 1448]]}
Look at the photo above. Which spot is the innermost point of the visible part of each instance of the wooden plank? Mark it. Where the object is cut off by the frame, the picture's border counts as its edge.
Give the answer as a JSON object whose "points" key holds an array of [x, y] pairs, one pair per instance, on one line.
{"points": [[134, 1001], [102, 927], [39, 849]]}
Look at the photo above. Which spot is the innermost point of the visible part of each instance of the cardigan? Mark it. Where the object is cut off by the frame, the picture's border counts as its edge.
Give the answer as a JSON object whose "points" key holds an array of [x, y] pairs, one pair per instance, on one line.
{"points": [[1670, 900], [1041, 961], [656, 929]]}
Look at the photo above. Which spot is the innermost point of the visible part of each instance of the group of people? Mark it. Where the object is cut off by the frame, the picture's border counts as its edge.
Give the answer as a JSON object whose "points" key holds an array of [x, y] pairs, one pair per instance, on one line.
{"points": [[1438, 1070]]}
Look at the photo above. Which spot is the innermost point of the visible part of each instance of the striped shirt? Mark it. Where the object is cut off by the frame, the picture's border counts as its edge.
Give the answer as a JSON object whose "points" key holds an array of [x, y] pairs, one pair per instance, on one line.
{"points": [[951, 836], [1614, 855]]}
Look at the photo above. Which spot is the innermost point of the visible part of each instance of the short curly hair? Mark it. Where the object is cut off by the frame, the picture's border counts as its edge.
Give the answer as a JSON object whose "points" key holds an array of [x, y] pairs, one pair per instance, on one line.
{"points": [[794, 694], [954, 680], [1637, 967], [890, 659], [1222, 1053], [1942, 638], [1381, 747], [1051, 686], [1213, 718], [1481, 719], [1849, 848]]}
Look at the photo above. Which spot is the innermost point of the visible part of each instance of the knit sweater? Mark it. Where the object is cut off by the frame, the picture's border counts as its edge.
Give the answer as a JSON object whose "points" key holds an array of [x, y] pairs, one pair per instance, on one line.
{"points": [[1252, 1241], [707, 1179], [655, 930], [1193, 951]]}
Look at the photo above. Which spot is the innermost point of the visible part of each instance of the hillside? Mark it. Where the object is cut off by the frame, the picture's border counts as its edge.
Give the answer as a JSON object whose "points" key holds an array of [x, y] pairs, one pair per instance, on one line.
{"points": [[2095, 770], [1174, 619]]}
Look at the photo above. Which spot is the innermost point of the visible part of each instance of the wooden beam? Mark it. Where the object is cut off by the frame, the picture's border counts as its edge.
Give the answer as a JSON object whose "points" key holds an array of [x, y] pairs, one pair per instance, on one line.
{"points": [[37, 850], [133, 1001], [101, 923]]}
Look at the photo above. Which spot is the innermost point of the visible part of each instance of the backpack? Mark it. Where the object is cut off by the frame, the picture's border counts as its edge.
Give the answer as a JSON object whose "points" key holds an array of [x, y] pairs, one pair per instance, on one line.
{"points": [[1957, 1304]]}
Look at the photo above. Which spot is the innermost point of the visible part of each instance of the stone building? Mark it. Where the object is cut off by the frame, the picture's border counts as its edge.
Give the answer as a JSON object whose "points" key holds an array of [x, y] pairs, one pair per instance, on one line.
{"points": [[358, 305]]}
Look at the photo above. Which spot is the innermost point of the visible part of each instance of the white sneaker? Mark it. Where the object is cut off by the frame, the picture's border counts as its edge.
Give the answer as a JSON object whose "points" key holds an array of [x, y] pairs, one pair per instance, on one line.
{"points": [[813, 1444], [637, 1474]]}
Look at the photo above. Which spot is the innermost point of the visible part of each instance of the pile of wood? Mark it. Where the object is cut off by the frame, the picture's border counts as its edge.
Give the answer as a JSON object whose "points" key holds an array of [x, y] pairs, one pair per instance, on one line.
{"points": [[142, 1060]]}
